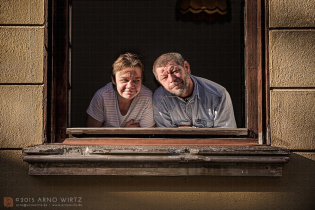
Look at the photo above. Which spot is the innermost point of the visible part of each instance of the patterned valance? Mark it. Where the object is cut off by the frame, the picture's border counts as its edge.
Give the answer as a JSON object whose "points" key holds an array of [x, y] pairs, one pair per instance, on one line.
{"points": [[207, 6]]}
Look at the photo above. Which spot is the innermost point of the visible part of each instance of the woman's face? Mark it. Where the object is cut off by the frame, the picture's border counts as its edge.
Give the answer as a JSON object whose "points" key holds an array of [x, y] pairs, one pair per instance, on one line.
{"points": [[128, 82]]}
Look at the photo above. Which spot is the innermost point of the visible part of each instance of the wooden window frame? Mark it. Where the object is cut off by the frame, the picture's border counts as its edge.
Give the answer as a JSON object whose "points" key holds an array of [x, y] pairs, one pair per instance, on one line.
{"points": [[257, 117], [218, 152]]}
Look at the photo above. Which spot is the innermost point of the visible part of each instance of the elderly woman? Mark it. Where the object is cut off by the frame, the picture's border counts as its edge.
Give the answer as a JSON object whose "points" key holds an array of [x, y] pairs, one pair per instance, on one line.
{"points": [[124, 102]]}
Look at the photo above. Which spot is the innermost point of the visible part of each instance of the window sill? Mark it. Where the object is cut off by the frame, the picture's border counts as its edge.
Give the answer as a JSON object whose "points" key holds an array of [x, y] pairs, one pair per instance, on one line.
{"points": [[152, 160]]}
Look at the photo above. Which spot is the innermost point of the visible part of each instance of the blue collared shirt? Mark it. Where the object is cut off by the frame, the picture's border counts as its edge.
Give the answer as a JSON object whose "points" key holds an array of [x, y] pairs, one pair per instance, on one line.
{"points": [[209, 106]]}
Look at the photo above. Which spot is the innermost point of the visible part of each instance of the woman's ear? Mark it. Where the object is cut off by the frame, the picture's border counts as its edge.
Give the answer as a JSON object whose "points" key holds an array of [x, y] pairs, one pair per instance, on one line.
{"points": [[113, 80]]}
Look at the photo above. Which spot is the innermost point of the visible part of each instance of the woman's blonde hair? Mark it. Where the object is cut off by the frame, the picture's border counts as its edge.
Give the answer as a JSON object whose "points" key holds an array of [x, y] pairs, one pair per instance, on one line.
{"points": [[127, 60]]}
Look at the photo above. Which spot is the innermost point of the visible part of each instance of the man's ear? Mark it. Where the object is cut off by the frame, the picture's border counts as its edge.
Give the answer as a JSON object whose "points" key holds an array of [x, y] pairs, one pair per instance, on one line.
{"points": [[187, 66], [113, 80]]}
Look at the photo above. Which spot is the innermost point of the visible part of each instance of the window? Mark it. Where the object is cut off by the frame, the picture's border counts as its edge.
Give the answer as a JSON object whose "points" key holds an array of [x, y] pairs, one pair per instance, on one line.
{"points": [[228, 152], [96, 26]]}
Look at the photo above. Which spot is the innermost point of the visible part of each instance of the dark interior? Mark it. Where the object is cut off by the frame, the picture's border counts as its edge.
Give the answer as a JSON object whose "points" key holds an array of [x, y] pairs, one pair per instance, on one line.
{"points": [[103, 29]]}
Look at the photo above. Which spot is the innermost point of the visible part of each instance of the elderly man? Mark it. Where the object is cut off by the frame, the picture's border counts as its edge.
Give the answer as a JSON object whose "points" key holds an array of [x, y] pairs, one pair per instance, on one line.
{"points": [[185, 100]]}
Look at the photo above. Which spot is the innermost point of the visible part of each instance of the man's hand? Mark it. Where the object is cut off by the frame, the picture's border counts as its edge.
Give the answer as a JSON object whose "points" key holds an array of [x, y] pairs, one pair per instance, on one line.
{"points": [[130, 124]]}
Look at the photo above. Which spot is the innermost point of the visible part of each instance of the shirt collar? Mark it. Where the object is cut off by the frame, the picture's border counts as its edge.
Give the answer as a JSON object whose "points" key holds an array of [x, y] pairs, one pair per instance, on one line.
{"points": [[196, 86]]}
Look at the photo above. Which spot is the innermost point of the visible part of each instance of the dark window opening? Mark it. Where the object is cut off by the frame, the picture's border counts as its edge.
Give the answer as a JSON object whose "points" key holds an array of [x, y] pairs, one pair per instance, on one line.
{"points": [[101, 30]]}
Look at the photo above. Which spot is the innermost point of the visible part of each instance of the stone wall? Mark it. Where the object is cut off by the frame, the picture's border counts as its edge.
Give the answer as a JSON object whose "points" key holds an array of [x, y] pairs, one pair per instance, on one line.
{"points": [[21, 72], [292, 73]]}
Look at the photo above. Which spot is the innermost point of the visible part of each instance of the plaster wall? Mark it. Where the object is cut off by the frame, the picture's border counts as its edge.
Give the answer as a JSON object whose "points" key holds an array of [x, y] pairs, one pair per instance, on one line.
{"points": [[292, 70], [21, 114], [291, 53], [25, 12], [22, 95], [22, 50]]}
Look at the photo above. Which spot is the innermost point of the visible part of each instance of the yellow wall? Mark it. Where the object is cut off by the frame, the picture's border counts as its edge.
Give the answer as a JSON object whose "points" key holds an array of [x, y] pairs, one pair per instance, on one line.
{"points": [[292, 70]]}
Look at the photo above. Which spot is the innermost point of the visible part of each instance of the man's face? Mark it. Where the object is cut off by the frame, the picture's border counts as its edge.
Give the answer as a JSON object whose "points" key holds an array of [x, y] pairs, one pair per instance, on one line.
{"points": [[128, 82], [175, 78]]}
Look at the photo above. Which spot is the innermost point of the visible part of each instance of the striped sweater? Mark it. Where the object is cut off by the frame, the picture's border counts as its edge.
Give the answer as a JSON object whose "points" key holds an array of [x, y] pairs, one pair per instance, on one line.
{"points": [[104, 108]]}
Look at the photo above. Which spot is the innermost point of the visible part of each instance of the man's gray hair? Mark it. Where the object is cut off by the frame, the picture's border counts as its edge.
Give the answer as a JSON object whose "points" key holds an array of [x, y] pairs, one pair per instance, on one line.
{"points": [[165, 58]]}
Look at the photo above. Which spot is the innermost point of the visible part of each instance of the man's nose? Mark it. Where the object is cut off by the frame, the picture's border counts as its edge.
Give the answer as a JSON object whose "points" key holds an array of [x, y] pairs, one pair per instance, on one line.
{"points": [[171, 78]]}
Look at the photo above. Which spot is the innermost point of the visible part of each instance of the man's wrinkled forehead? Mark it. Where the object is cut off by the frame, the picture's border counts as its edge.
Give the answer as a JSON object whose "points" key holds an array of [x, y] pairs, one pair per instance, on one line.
{"points": [[168, 63], [167, 67]]}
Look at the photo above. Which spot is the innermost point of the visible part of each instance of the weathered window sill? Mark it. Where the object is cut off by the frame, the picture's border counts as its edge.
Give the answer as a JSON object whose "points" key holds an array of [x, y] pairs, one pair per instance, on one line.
{"points": [[176, 160]]}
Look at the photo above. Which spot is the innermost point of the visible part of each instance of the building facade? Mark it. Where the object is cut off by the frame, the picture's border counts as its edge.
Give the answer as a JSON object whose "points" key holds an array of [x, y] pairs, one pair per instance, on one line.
{"points": [[292, 126]]}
